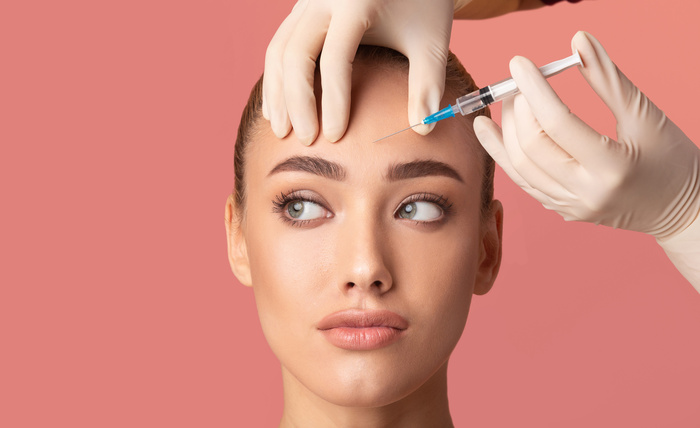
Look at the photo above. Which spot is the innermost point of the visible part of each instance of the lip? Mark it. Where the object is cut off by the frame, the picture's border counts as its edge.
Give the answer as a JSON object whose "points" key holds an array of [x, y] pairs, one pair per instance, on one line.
{"points": [[362, 330]]}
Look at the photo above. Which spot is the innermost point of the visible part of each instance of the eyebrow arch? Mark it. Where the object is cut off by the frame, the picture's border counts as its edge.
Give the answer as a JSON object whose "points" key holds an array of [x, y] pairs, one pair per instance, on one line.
{"points": [[313, 165], [421, 168]]}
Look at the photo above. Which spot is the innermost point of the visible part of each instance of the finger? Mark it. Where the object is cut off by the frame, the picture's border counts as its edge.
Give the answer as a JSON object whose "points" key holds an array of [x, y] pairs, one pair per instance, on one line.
{"points": [[342, 40], [299, 62], [426, 84], [621, 96], [491, 138], [274, 107], [533, 175], [541, 150], [574, 136], [489, 134]]}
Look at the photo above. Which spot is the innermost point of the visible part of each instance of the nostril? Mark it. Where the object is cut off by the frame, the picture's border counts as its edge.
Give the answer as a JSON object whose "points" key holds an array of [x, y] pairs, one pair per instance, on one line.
{"points": [[375, 284]]}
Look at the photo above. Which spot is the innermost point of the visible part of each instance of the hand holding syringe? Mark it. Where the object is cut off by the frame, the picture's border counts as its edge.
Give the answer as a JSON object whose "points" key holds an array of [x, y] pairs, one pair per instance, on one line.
{"points": [[647, 179], [483, 97]]}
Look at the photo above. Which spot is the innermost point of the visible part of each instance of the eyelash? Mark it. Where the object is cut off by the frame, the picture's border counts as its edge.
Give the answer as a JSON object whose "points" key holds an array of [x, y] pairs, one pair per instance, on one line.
{"points": [[279, 205], [439, 200]]}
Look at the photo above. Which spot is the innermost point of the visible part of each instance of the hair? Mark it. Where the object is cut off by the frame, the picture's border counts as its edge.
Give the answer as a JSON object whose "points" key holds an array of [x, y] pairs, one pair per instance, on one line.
{"points": [[457, 83]]}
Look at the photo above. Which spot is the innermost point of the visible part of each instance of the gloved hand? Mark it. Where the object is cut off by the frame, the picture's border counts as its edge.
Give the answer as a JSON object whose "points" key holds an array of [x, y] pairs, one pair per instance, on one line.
{"points": [[417, 28], [648, 180]]}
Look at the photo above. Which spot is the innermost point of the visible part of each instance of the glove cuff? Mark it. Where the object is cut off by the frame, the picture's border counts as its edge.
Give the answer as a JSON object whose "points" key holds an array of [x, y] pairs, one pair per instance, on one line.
{"points": [[683, 250]]}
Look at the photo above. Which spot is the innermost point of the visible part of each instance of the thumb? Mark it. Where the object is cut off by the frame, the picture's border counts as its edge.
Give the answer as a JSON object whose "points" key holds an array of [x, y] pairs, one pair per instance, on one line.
{"points": [[426, 84], [621, 96]]}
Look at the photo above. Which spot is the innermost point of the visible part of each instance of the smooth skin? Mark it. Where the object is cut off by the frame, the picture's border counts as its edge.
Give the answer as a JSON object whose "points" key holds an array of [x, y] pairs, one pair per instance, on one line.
{"points": [[351, 248]]}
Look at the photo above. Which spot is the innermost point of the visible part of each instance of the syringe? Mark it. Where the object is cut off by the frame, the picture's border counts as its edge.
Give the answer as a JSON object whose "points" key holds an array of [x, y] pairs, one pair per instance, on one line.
{"points": [[481, 98]]}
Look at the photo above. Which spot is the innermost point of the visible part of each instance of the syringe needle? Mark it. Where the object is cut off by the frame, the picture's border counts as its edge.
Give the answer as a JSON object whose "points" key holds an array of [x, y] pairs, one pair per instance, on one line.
{"points": [[398, 132]]}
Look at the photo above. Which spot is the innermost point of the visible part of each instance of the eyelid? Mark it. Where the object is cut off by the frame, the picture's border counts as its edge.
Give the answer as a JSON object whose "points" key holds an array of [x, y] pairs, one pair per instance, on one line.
{"points": [[304, 195], [283, 199], [438, 200], [441, 201]]}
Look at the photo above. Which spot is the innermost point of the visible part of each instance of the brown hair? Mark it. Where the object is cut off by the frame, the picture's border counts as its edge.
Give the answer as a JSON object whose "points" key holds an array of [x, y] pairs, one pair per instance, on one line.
{"points": [[457, 83]]}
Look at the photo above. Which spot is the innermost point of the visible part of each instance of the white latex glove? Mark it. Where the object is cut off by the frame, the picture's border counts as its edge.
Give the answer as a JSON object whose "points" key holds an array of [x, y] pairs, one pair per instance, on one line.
{"points": [[419, 29], [647, 181]]}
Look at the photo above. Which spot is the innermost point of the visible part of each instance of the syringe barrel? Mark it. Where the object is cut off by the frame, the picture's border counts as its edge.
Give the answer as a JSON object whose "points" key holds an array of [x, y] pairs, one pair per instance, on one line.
{"points": [[483, 97], [473, 101], [503, 89]]}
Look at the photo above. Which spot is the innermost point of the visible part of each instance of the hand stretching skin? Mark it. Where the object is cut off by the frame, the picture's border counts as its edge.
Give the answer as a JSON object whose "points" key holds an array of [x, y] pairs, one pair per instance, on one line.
{"points": [[417, 28], [647, 181]]}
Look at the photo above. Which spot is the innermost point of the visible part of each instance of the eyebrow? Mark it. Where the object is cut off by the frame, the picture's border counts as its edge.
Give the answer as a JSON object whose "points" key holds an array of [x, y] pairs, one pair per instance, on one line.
{"points": [[421, 168], [313, 165], [334, 171]]}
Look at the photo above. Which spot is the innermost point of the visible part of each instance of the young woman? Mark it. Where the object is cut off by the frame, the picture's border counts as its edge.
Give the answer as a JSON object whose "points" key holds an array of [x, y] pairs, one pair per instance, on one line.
{"points": [[363, 256]]}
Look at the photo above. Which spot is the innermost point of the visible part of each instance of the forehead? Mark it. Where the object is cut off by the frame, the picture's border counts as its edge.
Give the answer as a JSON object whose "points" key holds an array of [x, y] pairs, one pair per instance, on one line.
{"points": [[379, 107]]}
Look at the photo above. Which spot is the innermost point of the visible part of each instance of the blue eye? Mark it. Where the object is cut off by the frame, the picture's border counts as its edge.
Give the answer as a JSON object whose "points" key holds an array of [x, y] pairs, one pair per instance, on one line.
{"points": [[305, 210], [420, 211]]}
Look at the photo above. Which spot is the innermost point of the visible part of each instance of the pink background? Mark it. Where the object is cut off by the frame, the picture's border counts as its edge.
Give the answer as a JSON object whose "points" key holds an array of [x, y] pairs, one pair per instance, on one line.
{"points": [[117, 304]]}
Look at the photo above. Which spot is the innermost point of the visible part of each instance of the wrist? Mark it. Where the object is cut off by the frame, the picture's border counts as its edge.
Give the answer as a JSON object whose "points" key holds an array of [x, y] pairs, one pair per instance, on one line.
{"points": [[690, 232], [684, 212], [683, 249]]}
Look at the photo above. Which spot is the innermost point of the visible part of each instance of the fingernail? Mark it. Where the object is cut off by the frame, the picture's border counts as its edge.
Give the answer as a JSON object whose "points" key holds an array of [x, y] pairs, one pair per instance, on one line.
{"points": [[307, 140], [515, 63], [280, 125], [305, 134], [429, 105], [276, 130], [332, 134], [424, 129], [281, 131]]}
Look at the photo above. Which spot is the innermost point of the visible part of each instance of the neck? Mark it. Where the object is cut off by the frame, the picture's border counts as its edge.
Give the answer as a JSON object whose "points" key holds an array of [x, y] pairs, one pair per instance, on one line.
{"points": [[426, 406]]}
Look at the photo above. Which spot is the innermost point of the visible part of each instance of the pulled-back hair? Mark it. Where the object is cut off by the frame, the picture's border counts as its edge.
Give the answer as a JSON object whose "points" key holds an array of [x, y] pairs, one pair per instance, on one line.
{"points": [[457, 83]]}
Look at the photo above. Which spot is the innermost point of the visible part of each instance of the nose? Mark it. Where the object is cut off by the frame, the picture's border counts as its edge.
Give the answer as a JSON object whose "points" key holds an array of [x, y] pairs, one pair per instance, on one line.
{"points": [[363, 257]]}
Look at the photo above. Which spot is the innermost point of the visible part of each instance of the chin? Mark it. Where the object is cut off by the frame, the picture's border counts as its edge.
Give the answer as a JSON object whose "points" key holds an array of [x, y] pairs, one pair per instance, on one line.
{"points": [[366, 386], [371, 396]]}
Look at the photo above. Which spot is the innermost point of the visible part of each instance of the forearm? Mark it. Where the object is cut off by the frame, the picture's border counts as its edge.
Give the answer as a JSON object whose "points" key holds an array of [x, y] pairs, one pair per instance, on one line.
{"points": [[684, 251], [482, 9]]}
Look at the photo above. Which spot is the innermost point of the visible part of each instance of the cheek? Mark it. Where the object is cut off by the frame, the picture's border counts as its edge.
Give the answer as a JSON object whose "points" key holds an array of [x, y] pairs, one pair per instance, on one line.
{"points": [[439, 276], [290, 271]]}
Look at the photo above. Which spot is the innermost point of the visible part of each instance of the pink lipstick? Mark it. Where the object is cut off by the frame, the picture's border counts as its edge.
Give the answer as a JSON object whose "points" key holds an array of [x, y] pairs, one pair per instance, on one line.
{"points": [[362, 330]]}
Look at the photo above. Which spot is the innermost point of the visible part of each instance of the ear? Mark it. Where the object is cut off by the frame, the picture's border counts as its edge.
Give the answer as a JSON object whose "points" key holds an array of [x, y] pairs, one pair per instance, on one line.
{"points": [[237, 251], [491, 249]]}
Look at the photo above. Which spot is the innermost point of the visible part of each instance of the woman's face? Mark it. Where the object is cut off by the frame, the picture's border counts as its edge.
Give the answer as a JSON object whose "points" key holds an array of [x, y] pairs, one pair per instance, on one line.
{"points": [[363, 256]]}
